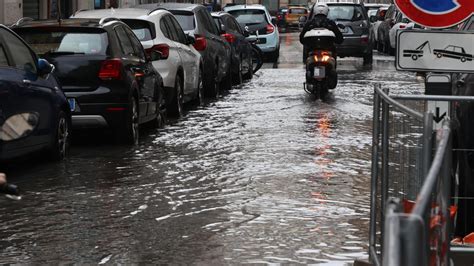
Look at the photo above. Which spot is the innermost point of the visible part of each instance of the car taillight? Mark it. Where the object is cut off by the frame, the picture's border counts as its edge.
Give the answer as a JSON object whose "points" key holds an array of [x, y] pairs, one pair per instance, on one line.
{"points": [[111, 69], [229, 37], [163, 48], [364, 39], [200, 44], [270, 28], [403, 26]]}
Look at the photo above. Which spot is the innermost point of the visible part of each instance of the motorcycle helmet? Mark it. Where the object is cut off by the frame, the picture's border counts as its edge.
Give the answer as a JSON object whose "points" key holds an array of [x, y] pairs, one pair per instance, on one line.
{"points": [[321, 9]]}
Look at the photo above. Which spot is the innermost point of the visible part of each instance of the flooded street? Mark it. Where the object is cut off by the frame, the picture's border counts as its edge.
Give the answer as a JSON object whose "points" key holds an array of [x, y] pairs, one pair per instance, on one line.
{"points": [[264, 175]]}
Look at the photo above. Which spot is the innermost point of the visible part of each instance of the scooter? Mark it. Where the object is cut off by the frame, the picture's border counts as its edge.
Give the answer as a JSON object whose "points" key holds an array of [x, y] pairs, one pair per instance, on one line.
{"points": [[321, 75]]}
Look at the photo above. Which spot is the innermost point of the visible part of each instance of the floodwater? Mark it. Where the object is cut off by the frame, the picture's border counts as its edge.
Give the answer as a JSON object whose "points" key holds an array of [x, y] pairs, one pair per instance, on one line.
{"points": [[264, 175]]}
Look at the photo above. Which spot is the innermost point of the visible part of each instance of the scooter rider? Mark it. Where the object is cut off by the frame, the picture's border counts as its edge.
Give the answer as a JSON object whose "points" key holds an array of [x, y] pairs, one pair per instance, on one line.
{"points": [[319, 19]]}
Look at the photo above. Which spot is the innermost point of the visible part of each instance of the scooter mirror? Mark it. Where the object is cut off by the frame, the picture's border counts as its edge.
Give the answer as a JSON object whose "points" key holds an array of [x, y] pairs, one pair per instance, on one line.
{"points": [[18, 126]]}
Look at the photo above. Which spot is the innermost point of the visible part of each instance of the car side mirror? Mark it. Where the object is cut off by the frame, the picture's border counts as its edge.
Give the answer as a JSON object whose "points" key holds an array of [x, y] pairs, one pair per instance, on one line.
{"points": [[341, 26], [303, 19], [373, 19], [190, 39], [44, 67]]}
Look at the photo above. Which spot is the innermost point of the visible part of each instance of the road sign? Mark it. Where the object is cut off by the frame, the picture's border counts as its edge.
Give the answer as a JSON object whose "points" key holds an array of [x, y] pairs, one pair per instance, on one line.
{"points": [[440, 112], [436, 51], [436, 13]]}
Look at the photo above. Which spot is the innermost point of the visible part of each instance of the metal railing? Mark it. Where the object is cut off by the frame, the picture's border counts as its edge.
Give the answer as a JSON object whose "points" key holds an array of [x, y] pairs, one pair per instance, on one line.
{"points": [[410, 198]]}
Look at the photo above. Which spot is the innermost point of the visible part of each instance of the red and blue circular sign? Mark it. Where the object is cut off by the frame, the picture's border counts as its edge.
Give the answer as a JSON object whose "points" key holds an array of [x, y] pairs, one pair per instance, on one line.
{"points": [[436, 13]]}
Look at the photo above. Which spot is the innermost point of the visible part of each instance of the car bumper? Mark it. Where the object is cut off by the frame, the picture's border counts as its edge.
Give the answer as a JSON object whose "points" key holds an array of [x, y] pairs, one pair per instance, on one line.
{"points": [[354, 46], [23, 147], [272, 43]]}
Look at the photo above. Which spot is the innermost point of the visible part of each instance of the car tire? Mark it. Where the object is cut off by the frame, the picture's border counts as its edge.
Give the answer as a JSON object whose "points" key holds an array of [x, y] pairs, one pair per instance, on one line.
{"points": [[226, 82], [237, 78], [61, 139], [211, 85], [128, 134], [386, 47], [199, 100], [368, 58], [249, 74], [275, 55], [175, 100]]}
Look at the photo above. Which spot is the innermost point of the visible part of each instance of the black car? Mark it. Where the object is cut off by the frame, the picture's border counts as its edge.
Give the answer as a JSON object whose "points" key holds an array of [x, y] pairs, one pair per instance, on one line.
{"points": [[104, 72], [241, 49], [34, 112], [215, 51], [383, 32], [280, 17]]}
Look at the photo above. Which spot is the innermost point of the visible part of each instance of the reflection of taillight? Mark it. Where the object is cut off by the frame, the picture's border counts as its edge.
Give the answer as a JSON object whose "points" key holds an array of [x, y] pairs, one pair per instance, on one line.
{"points": [[229, 37], [200, 44], [270, 28], [110, 69], [163, 48]]}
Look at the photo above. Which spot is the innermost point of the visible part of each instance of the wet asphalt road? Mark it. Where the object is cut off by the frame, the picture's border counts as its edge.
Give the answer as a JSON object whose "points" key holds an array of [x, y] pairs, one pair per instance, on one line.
{"points": [[264, 175]]}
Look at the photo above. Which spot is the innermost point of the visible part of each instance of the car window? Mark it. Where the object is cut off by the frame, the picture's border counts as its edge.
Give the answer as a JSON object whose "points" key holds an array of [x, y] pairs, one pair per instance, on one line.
{"points": [[249, 16], [22, 55], [171, 29], [127, 48], [141, 28], [230, 25], [71, 40], [236, 25], [218, 23], [179, 31], [345, 13], [209, 22], [186, 21], [3, 57], [164, 28], [137, 46]]}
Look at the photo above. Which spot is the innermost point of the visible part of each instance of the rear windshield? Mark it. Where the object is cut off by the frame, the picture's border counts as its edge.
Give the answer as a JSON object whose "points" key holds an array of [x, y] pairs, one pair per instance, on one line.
{"points": [[249, 16], [141, 28], [297, 11], [345, 13], [186, 21], [65, 40]]}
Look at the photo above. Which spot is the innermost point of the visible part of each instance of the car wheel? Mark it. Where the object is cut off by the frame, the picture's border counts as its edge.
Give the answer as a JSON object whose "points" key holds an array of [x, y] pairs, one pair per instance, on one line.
{"points": [[175, 107], [275, 55], [199, 100], [211, 88], [237, 80], [129, 133], [368, 58], [249, 74], [414, 57], [226, 82], [379, 44], [463, 59], [60, 145]]}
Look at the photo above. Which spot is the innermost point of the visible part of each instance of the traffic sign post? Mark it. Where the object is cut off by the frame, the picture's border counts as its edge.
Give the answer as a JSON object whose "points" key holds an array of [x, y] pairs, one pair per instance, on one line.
{"points": [[438, 84], [435, 51]]}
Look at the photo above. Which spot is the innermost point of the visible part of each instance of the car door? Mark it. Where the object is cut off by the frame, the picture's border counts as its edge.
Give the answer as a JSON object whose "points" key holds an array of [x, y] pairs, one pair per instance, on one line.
{"points": [[23, 90], [219, 45], [243, 46], [131, 64], [188, 56], [145, 74]]}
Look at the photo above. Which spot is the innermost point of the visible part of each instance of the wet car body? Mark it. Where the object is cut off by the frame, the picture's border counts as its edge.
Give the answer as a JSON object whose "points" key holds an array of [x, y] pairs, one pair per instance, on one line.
{"points": [[293, 15], [257, 20], [103, 71], [463, 85], [241, 53], [383, 31], [358, 39], [196, 20], [29, 91]]}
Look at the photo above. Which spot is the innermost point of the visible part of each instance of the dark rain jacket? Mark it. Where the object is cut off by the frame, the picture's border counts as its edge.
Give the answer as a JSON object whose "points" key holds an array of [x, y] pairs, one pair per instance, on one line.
{"points": [[321, 21]]}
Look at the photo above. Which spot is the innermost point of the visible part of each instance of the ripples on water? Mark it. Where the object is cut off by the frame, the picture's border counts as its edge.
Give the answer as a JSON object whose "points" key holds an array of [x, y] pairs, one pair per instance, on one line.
{"points": [[265, 175]]}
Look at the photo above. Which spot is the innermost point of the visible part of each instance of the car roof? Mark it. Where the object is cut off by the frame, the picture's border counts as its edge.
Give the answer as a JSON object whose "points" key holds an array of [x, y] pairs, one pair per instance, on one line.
{"points": [[376, 5], [220, 14], [170, 6], [129, 13], [73, 22], [239, 7], [341, 1]]}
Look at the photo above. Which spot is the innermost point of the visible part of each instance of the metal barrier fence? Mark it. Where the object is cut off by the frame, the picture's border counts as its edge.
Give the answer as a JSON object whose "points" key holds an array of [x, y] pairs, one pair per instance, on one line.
{"points": [[410, 182]]}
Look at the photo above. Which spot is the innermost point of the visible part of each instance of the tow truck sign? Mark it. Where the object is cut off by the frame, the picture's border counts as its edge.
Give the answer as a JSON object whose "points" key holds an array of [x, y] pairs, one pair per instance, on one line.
{"points": [[435, 51]]}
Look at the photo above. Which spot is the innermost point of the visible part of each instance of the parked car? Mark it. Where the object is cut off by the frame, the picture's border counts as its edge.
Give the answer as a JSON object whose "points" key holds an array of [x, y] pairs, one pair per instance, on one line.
{"points": [[280, 17], [401, 23], [196, 21], [372, 8], [34, 112], [293, 16], [257, 20], [179, 64], [241, 56], [376, 21], [358, 39], [463, 85], [104, 71], [383, 31]]}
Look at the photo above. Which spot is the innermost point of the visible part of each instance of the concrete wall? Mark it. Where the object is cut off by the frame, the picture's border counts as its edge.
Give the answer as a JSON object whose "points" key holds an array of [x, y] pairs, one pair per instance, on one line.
{"points": [[10, 11]]}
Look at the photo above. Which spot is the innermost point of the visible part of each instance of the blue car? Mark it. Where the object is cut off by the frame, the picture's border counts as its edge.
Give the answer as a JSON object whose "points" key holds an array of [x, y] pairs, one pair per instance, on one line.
{"points": [[257, 21], [34, 113]]}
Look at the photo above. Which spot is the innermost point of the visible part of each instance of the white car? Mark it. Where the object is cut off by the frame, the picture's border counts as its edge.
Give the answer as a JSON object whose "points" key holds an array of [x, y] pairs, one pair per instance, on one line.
{"points": [[379, 16], [179, 64], [402, 23]]}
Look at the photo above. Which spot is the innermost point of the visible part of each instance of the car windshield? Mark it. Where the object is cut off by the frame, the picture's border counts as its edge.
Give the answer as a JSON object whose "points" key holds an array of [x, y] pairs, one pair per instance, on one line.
{"points": [[297, 11], [142, 29], [62, 41], [186, 21], [249, 16], [372, 12], [345, 13]]}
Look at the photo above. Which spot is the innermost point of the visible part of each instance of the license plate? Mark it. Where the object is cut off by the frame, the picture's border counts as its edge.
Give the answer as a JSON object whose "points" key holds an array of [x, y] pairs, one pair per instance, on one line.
{"points": [[72, 104], [319, 72]]}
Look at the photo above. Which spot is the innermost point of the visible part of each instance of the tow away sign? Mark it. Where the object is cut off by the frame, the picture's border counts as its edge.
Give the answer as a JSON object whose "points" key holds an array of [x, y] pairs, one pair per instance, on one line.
{"points": [[435, 51]]}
